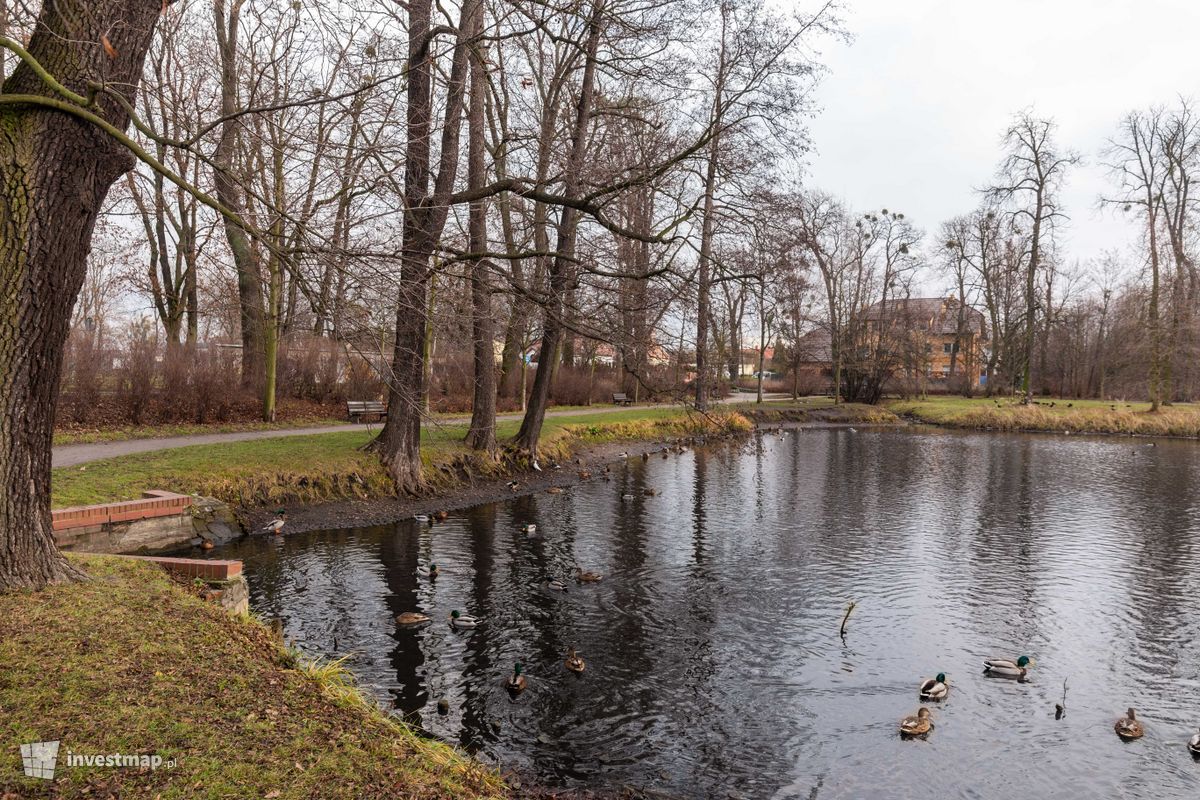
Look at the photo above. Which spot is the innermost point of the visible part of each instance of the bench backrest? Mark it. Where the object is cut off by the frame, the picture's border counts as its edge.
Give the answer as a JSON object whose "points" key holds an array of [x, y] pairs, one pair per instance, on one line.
{"points": [[365, 407], [619, 397]]}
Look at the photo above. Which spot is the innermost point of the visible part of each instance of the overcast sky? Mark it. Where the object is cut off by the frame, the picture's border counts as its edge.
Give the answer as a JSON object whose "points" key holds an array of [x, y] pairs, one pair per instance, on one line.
{"points": [[913, 109]]}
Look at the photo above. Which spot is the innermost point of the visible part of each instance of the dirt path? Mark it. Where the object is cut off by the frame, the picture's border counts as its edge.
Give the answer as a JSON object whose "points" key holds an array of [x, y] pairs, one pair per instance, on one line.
{"points": [[72, 454]]}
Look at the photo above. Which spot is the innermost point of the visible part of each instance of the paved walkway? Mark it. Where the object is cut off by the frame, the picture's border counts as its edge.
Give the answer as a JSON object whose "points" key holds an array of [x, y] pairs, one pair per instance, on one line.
{"points": [[70, 455]]}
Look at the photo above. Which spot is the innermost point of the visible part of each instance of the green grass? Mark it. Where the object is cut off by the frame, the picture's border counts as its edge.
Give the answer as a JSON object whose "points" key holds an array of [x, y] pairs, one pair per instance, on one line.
{"points": [[1075, 416], [331, 466], [130, 662]]}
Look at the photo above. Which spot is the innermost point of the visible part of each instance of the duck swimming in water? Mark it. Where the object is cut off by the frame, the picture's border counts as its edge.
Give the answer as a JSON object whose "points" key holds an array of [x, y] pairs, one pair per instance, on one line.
{"points": [[1128, 727], [917, 724], [574, 663], [430, 572], [411, 619], [935, 688], [463, 621], [1007, 668], [515, 683], [1194, 745], [587, 577]]}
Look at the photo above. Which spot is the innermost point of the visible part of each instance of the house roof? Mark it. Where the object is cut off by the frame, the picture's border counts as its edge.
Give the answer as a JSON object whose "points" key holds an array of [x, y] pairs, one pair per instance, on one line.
{"points": [[936, 315], [815, 347]]}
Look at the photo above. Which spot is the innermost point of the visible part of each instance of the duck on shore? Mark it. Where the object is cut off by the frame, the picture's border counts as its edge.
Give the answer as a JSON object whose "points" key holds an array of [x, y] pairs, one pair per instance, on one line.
{"points": [[1128, 727], [275, 526]]}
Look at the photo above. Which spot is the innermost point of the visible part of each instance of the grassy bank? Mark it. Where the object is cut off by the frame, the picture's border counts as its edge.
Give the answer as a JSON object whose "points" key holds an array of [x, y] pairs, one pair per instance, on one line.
{"points": [[127, 432], [130, 662], [307, 469], [1075, 416]]}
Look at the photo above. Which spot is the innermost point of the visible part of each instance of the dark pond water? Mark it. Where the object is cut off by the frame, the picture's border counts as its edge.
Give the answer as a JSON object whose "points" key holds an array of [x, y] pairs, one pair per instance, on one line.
{"points": [[714, 663]]}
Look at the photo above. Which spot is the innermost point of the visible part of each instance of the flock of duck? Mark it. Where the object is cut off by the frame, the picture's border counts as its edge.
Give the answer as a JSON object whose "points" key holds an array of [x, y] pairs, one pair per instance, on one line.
{"points": [[516, 682], [1128, 727]]}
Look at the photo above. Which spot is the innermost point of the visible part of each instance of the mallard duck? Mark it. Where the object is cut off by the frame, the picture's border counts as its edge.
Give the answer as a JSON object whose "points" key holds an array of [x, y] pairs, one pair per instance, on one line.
{"points": [[935, 688], [626, 497], [530, 528], [515, 682], [1194, 745], [574, 663], [421, 519], [207, 544], [555, 585], [587, 577], [458, 620], [1008, 668], [584, 474], [411, 619], [513, 485], [276, 525], [1128, 727], [554, 490], [430, 572], [440, 516], [917, 724], [650, 492]]}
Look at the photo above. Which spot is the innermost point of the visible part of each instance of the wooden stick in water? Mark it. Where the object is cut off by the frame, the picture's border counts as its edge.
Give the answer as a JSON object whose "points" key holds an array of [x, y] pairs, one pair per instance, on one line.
{"points": [[849, 608]]}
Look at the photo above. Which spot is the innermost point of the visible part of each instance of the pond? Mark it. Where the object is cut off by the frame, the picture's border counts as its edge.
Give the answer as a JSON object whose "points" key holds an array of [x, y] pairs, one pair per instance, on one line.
{"points": [[714, 664]]}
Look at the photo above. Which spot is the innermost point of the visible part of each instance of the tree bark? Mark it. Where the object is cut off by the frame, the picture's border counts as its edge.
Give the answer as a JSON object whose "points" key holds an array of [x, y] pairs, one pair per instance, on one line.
{"points": [[229, 194], [399, 443], [561, 267], [482, 433], [55, 171]]}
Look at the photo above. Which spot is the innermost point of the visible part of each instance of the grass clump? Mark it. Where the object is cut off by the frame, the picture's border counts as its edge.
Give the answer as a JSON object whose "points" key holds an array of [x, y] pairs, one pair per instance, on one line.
{"points": [[130, 662], [1055, 415]]}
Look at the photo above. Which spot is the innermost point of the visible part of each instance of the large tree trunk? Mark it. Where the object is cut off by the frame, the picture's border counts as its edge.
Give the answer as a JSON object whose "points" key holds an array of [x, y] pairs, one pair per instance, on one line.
{"points": [[55, 171], [399, 443], [229, 194], [482, 433], [562, 266]]}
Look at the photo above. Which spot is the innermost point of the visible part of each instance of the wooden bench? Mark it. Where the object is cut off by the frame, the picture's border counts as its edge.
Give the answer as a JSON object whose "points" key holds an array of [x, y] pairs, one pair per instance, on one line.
{"points": [[357, 409], [621, 399]]}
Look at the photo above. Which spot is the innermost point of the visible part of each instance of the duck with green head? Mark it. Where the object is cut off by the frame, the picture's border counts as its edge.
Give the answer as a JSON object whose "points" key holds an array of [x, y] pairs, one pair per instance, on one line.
{"points": [[463, 621], [516, 682], [1007, 668], [935, 688]]}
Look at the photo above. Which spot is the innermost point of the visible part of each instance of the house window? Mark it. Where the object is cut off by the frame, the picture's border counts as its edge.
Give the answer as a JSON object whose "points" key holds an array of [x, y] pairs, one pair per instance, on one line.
{"points": [[948, 348], [946, 372]]}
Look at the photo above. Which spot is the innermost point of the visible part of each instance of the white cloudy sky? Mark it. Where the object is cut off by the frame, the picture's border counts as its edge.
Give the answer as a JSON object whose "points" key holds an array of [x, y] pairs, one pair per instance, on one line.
{"points": [[914, 107]]}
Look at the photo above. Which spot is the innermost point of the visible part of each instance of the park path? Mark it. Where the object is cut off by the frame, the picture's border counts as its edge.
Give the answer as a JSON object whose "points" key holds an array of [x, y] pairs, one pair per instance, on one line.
{"points": [[69, 455]]}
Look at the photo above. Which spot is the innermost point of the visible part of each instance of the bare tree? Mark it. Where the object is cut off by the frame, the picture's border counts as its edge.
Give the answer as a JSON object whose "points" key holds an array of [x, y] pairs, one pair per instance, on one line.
{"points": [[1029, 178]]}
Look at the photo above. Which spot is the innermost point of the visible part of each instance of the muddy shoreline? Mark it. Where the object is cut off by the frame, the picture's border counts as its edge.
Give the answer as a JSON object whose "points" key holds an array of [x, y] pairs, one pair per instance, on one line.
{"points": [[387, 510], [584, 465]]}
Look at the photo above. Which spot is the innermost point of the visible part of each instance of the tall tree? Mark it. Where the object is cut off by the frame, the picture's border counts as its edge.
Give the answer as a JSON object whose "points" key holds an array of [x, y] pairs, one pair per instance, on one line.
{"points": [[1134, 162], [58, 160], [1029, 178]]}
